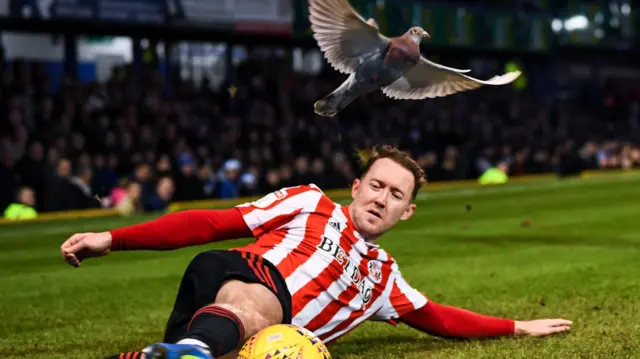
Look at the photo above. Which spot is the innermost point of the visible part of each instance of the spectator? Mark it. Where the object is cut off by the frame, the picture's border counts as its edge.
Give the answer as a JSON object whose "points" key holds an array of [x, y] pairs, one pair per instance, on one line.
{"points": [[57, 185], [77, 193], [302, 174], [143, 174], [104, 177], [31, 170], [429, 163], [272, 181], [161, 197], [229, 184], [248, 185], [163, 166], [119, 192], [189, 186], [24, 207], [209, 180], [286, 176], [132, 200]]}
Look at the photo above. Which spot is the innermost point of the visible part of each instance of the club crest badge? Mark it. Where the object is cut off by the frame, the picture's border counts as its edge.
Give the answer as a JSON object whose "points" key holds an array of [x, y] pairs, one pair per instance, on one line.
{"points": [[375, 271]]}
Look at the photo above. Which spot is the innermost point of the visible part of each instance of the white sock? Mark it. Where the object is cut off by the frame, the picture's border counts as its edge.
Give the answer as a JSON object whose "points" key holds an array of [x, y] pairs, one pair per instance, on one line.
{"points": [[196, 342]]}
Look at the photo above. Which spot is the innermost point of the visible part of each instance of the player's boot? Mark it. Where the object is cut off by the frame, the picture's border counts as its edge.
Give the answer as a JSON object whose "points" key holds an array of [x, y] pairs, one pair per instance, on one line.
{"points": [[176, 351]]}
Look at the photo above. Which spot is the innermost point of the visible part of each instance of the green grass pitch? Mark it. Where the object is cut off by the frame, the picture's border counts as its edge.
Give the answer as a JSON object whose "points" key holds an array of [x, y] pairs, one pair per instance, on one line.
{"points": [[567, 249]]}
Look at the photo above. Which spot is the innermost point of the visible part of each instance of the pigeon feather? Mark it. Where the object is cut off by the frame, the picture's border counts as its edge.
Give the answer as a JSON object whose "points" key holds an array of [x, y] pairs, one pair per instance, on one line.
{"points": [[430, 80], [343, 35]]}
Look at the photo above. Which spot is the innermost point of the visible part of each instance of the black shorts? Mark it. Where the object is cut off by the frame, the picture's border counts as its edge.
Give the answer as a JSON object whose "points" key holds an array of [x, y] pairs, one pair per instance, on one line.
{"points": [[204, 277]]}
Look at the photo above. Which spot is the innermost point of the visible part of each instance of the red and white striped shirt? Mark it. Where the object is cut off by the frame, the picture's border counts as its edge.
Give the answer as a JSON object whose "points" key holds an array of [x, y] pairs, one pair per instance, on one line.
{"points": [[337, 280]]}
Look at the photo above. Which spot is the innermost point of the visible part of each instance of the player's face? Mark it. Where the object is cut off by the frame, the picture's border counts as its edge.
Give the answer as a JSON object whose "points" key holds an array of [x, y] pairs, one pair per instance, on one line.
{"points": [[382, 198]]}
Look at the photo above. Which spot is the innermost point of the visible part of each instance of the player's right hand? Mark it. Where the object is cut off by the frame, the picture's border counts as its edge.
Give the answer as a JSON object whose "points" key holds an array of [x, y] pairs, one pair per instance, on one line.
{"points": [[81, 246]]}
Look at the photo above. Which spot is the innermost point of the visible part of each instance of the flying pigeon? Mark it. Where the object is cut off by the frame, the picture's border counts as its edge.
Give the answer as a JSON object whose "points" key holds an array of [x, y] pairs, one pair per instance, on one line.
{"points": [[373, 61]]}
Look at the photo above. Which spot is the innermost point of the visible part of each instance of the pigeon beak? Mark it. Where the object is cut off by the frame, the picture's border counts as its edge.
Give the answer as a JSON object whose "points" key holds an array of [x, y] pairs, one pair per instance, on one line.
{"points": [[426, 35]]}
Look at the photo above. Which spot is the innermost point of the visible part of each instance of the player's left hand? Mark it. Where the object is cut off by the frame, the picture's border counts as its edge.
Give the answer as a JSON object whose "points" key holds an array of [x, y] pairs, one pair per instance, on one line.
{"points": [[81, 246], [542, 327]]}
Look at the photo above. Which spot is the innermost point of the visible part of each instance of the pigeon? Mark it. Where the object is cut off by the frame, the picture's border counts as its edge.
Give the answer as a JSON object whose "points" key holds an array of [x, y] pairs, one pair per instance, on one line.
{"points": [[373, 61]]}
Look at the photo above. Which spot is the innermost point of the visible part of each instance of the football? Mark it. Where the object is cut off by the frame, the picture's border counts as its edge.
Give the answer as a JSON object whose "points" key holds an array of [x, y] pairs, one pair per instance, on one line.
{"points": [[284, 341]]}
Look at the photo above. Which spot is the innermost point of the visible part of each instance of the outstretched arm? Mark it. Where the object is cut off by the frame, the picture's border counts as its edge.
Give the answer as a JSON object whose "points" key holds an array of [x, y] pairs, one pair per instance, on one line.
{"points": [[451, 322], [171, 231], [182, 229], [195, 227]]}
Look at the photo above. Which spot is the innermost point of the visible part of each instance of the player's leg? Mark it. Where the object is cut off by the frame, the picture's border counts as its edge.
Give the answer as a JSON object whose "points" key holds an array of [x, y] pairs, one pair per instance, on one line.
{"points": [[224, 298], [239, 311], [199, 286], [251, 297]]}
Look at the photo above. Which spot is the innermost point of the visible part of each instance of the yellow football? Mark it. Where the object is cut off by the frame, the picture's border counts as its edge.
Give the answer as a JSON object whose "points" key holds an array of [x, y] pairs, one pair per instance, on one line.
{"points": [[284, 341]]}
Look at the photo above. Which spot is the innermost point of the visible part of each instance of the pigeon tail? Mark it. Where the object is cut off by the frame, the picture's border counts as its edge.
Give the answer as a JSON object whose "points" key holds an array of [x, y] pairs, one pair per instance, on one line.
{"points": [[331, 104], [334, 102]]}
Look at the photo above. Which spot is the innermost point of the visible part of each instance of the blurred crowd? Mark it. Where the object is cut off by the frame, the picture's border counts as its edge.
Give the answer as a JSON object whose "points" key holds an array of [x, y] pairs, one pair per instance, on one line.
{"points": [[136, 144]]}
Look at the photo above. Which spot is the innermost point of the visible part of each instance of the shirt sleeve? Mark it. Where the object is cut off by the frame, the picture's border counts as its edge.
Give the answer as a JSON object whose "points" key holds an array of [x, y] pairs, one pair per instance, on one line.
{"points": [[451, 322], [402, 299], [277, 209], [181, 229]]}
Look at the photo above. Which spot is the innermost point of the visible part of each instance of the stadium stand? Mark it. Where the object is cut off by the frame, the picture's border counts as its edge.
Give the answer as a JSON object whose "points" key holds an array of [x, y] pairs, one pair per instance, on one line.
{"points": [[138, 141], [126, 145]]}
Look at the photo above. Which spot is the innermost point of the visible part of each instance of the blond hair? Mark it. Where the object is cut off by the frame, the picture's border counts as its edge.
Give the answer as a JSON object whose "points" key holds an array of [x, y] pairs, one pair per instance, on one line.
{"points": [[368, 158]]}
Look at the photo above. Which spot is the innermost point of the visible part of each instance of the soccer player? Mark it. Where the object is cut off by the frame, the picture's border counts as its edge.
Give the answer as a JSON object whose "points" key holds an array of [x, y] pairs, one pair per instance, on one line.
{"points": [[314, 264]]}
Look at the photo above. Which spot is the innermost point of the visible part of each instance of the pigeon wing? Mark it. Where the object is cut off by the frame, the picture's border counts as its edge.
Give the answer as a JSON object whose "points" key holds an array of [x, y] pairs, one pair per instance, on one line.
{"points": [[429, 80], [342, 34]]}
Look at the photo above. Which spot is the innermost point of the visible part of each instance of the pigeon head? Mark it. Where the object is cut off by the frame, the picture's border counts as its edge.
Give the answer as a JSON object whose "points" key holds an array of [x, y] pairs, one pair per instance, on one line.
{"points": [[416, 34]]}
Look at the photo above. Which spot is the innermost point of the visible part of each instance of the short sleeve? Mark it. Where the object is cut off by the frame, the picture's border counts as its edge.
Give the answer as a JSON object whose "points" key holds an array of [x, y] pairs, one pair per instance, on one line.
{"points": [[402, 299], [277, 209]]}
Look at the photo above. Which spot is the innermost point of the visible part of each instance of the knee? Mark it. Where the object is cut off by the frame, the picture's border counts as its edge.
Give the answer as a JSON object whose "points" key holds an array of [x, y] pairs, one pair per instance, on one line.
{"points": [[255, 305], [258, 303], [251, 320]]}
